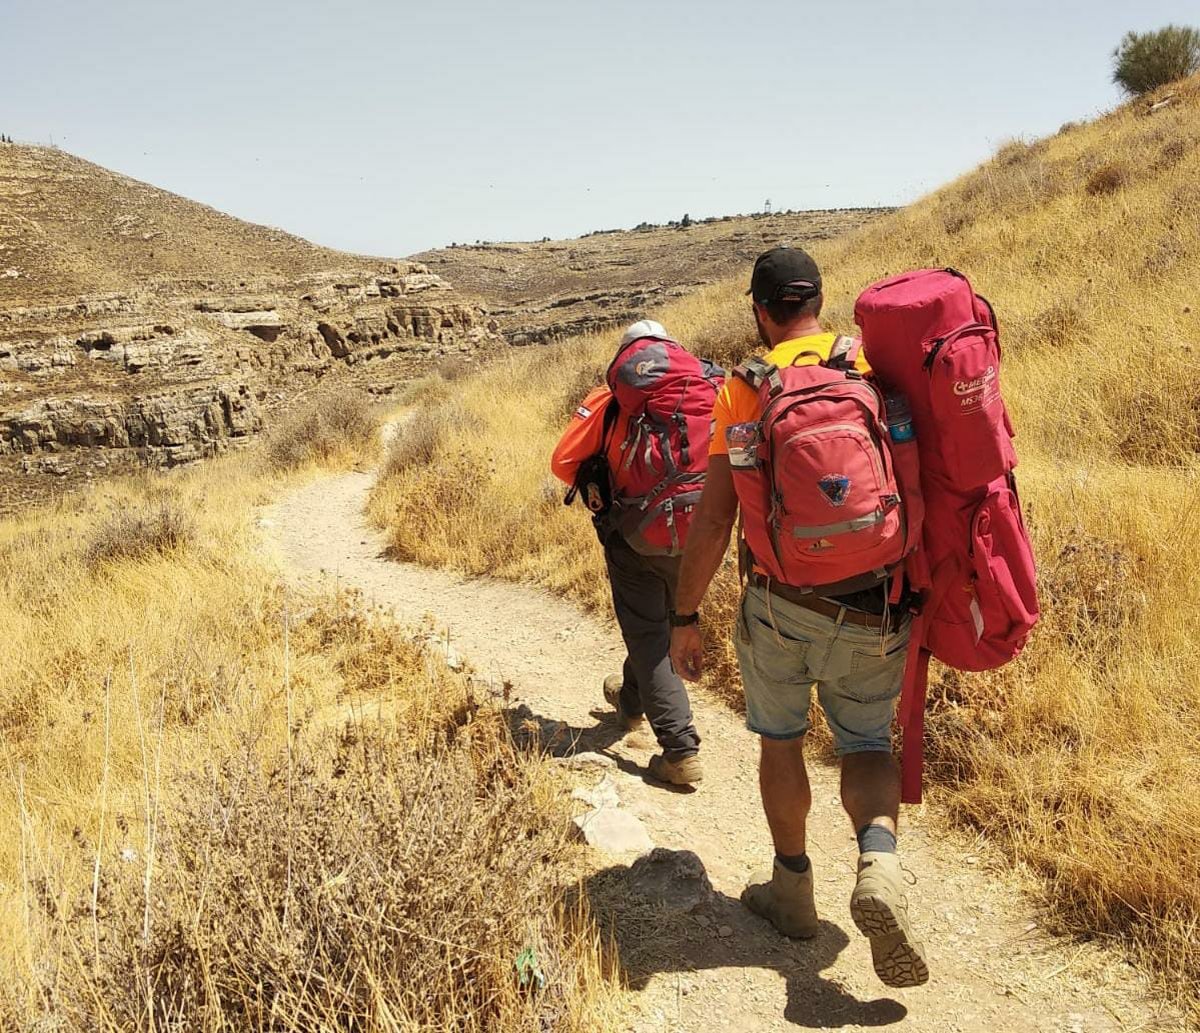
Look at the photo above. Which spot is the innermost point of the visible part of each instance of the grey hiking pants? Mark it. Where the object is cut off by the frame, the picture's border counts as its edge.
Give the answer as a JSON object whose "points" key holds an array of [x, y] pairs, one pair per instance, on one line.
{"points": [[643, 591]]}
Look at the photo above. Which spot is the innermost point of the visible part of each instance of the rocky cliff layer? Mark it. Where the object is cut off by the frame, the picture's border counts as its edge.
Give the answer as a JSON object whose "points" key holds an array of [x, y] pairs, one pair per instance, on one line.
{"points": [[160, 377]]}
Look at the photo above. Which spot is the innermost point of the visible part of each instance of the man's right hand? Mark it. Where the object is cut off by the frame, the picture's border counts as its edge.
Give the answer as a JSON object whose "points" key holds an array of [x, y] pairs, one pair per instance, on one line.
{"points": [[687, 652]]}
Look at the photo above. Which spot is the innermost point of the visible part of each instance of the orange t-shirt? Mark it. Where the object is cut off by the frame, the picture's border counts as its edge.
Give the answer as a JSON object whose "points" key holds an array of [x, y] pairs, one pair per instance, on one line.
{"points": [[737, 401]]}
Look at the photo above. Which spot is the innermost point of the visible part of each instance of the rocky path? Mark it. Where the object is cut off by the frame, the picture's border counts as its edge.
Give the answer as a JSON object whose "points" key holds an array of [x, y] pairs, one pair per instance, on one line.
{"points": [[695, 959]]}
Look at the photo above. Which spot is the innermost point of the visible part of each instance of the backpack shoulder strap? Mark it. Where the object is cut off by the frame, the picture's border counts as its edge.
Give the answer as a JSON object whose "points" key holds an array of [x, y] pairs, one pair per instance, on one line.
{"points": [[843, 353], [611, 411], [756, 372]]}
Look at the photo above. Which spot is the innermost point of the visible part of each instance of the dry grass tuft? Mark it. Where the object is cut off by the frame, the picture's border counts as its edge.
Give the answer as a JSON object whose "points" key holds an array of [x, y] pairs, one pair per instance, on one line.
{"points": [[158, 529], [455, 367], [327, 893], [1015, 152], [335, 422], [1081, 759], [580, 384], [416, 440], [1107, 179]]}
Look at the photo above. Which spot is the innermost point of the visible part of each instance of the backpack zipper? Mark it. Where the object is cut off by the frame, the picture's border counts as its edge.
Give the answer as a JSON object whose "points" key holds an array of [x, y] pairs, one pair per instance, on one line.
{"points": [[938, 345], [880, 473], [953, 337]]}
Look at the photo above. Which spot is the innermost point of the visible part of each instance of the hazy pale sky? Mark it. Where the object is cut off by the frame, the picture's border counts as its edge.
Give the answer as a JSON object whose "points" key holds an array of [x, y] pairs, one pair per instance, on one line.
{"points": [[387, 126]]}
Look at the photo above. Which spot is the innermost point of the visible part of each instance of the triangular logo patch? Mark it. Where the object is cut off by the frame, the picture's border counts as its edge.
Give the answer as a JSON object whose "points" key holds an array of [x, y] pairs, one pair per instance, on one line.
{"points": [[835, 487]]}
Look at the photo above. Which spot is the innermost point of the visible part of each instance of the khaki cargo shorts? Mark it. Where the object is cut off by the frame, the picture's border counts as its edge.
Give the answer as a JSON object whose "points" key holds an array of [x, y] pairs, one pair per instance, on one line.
{"points": [[785, 649]]}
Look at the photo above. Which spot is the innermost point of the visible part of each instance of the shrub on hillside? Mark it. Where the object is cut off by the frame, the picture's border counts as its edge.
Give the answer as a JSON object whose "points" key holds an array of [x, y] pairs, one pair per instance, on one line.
{"points": [[1144, 61], [417, 439], [1107, 179], [374, 880], [334, 421], [455, 367], [130, 533]]}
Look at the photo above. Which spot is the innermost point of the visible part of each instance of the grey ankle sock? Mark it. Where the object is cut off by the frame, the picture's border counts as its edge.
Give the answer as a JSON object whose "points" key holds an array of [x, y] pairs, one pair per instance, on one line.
{"points": [[876, 839], [797, 863]]}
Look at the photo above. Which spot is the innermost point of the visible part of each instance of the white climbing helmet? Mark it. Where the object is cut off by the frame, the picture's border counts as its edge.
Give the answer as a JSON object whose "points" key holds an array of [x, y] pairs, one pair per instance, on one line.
{"points": [[643, 328]]}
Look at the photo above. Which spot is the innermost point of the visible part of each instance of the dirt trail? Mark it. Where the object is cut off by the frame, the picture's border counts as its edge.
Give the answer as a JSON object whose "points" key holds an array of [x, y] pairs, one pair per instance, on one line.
{"points": [[696, 960]]}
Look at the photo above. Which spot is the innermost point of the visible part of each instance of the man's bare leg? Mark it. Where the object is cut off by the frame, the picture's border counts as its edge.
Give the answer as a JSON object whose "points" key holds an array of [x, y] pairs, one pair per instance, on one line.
{"points": [[879, 905], [871, 789], [786, 796], [785, 896]]}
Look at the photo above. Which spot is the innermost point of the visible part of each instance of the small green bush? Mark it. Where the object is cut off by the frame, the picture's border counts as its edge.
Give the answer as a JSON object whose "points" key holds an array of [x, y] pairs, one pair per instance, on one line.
{"points": [[1144, 61]]}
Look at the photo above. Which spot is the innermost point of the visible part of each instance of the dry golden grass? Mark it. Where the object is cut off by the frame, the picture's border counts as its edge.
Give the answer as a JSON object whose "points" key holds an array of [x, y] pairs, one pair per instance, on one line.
{"points": [[1081, 759], [202, 835], [336, 423]]}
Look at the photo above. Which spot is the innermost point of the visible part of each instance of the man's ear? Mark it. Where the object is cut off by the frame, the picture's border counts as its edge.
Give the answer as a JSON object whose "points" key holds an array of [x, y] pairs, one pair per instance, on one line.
{"points": [[820, 303]]}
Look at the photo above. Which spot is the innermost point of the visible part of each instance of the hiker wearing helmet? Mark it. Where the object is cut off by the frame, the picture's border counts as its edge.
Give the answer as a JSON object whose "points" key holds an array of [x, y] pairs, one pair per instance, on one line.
{"points": [[797, 447], [635, 453]]}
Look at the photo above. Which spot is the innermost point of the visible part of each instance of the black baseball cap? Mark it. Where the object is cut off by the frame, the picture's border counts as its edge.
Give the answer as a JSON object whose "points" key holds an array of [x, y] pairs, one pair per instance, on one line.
{"points": [[785, 274]]}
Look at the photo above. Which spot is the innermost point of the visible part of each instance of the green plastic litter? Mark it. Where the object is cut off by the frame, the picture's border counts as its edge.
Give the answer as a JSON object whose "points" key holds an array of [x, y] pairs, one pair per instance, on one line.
{"points": [[529, 971]]}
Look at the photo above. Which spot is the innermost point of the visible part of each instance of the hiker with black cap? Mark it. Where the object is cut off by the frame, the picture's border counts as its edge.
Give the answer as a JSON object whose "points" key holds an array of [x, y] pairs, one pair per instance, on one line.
{"points": [[800, 625], [635, 453]]}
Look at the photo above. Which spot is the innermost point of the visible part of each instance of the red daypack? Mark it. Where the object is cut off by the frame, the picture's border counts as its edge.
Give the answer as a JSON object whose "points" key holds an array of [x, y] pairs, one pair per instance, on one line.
{"points": [[667, 395], [821, 503], [928, 335]]}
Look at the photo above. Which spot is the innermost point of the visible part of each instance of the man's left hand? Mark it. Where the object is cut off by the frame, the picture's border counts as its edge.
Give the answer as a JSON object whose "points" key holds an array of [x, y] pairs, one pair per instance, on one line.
{"points": [[687, 652]]}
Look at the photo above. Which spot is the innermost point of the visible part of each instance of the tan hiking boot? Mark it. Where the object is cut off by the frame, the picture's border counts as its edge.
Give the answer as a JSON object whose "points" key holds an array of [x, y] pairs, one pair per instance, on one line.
{"points": [[785, 899], [880, 910], [683, 772], [612, 696]]}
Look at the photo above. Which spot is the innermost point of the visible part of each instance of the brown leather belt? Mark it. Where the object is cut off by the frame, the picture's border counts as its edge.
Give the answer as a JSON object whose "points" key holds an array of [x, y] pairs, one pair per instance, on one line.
{"points": [[818, 605]]}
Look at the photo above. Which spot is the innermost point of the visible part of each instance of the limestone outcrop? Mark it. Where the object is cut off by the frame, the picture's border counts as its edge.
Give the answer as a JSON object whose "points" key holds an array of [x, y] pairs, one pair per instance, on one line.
{"points": [[180, 372]]}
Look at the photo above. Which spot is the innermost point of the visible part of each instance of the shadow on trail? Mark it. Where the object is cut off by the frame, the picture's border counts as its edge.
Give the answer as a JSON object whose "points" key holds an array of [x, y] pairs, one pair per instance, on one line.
{"points": [[560, 739], [662, 915]]}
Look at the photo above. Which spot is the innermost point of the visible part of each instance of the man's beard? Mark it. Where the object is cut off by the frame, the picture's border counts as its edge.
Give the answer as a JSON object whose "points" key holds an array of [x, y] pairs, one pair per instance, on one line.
{"points": [[762, 331]]}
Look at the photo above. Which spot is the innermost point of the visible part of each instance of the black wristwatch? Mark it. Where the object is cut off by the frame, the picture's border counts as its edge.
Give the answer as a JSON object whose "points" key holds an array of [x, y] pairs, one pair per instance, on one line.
{"points": [[682, 620]]}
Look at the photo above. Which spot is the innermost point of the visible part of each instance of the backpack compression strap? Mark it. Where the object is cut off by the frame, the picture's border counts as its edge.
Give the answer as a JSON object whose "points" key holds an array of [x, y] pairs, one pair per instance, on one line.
{"points": [[843, 353], [756, 372]]}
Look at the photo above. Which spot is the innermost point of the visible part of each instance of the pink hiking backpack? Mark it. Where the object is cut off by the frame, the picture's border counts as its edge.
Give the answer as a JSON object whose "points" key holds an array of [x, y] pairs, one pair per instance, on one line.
{"points": [[668, 395], [928, 335], [822, 508]]}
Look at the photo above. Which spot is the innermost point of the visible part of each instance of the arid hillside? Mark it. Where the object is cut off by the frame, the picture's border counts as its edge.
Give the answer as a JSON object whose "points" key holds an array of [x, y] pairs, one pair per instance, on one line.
{"points": [[551, 289], [68, 227], [138, 328], [141, 329], [1080, 760]]}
